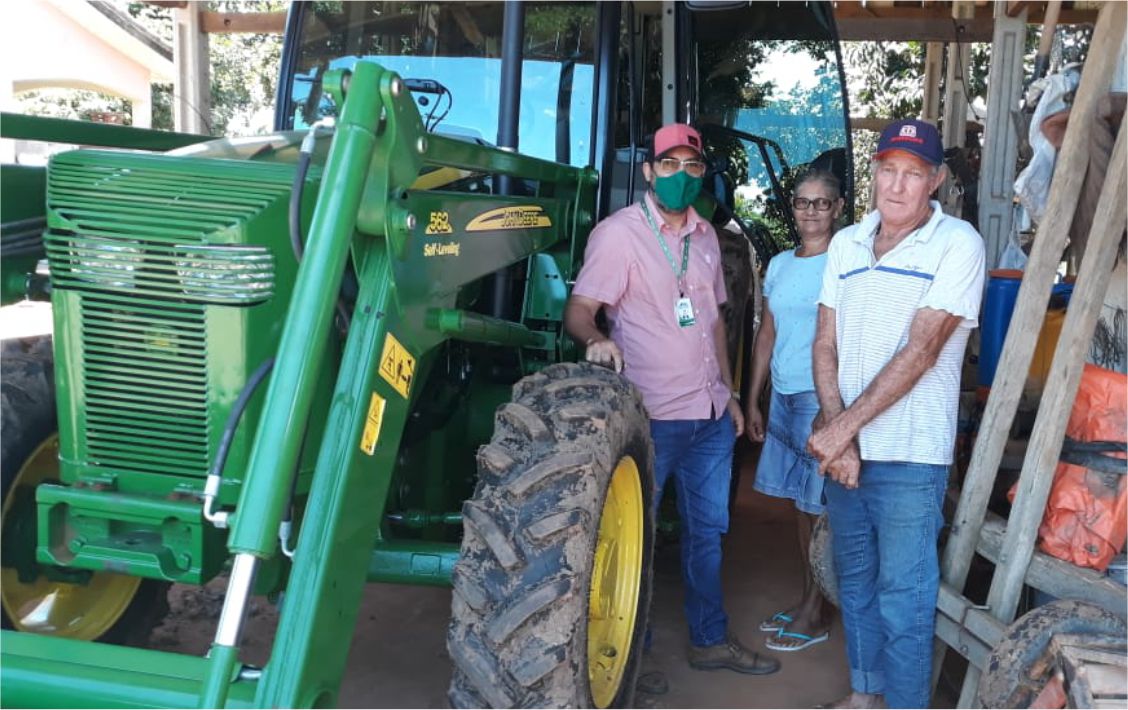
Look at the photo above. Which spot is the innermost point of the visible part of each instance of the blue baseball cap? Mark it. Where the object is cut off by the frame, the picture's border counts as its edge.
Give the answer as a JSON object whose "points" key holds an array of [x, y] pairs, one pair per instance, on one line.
{"points": [[912, 136]]}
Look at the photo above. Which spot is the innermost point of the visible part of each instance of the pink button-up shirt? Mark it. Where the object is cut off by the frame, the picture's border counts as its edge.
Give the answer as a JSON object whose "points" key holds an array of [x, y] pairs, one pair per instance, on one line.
{"points": [[624, 268]]}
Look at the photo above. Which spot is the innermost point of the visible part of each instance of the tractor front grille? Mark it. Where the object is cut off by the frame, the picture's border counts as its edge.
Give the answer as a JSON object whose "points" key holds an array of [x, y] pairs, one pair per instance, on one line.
{"points": [[165, 286], [145, 387]]}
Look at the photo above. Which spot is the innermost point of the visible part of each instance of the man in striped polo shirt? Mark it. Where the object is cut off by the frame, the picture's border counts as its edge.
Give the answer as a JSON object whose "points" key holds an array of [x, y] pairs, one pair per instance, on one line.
{"points": [[900, 295]]}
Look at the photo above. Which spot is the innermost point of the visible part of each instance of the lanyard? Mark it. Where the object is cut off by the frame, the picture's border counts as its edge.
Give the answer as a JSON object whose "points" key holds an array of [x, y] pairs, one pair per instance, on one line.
{"points": [[679, 275]]}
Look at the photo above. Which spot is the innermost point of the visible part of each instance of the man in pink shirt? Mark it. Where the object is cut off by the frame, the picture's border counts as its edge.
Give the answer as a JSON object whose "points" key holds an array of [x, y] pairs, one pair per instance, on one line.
{"points": [[655, 269]]}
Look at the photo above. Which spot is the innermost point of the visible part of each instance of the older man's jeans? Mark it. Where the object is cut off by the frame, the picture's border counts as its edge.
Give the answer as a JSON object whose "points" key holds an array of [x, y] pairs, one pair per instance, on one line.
{"points": [[697, 453], [884, 536]]}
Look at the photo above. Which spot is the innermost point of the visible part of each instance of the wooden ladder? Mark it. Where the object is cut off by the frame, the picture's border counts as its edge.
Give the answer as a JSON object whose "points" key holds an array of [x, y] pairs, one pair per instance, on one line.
{"points": [[973, 630]]}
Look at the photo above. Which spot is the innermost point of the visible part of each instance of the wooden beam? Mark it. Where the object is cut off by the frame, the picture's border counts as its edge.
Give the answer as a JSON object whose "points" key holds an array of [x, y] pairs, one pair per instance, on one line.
{"points": [[1014, 7], [878, 29], [932, 22], [865, 123], [248, 22], [1058, 578]]}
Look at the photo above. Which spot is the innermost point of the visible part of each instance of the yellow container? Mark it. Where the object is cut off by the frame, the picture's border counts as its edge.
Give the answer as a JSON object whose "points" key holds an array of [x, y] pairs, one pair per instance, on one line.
{"points": [[1044, 350]]}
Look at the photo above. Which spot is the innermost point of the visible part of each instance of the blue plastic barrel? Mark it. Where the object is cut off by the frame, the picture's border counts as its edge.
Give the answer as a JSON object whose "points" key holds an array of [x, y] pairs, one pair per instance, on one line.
{"points": [[998, 307]]}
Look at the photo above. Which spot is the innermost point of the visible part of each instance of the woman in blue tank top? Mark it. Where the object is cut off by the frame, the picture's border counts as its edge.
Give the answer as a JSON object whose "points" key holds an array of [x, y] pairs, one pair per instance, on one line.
{"points": [[783, 348]]}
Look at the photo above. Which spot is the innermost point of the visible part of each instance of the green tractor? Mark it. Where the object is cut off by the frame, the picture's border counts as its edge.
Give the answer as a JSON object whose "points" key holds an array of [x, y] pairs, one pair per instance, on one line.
{"points": [[334, 355]]}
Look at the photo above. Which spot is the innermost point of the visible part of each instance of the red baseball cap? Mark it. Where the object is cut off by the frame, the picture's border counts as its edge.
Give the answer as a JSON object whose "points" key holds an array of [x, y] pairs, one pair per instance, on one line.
{"points": [[676, 135]]}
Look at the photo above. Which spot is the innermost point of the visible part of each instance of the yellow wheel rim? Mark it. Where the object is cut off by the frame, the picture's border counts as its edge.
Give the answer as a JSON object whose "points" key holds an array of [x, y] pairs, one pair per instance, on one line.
{"points": [[616, 579], [78, 611]]}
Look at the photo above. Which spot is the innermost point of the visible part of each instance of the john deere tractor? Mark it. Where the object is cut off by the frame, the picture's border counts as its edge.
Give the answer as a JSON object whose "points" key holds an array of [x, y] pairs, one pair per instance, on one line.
{"points": [[334, 355]]}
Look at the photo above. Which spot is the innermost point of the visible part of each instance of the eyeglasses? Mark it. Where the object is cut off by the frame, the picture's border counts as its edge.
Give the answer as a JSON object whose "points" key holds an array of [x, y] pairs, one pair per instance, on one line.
{"points": [[694, 167], [819, 203]]}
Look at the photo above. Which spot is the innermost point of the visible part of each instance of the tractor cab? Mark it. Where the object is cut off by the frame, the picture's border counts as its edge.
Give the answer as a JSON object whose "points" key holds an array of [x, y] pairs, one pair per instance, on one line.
{"points": [[585, 83]]}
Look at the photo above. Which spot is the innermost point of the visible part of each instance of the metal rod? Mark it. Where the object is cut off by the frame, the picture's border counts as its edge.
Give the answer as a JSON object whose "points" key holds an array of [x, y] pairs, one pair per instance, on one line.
{"points": [[235, 603], [476, 328], [508, 119], [606, 86], [224, 654]]}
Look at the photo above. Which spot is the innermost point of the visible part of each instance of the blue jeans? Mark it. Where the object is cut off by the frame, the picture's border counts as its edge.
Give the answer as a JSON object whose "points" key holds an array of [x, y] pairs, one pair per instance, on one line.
{"points": [[884, 540], [697, 453]]}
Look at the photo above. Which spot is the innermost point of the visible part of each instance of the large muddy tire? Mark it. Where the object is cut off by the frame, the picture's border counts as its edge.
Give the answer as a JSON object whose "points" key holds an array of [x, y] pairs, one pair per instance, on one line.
{"points": [[822, 560], [27, 400], [552, 589], [110, 608], [1019, 667]]}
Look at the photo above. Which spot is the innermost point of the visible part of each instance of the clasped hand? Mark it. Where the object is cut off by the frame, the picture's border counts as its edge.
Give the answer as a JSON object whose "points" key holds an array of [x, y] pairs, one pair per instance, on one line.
{"points": [[836, 451]]}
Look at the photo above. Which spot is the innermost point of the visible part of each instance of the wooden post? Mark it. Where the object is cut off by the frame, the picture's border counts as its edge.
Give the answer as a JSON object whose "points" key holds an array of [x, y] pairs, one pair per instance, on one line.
{"points": [[1042, 452], [192, 89], [954, 126], [1000, 139], [933, 66], [1046, 42]]}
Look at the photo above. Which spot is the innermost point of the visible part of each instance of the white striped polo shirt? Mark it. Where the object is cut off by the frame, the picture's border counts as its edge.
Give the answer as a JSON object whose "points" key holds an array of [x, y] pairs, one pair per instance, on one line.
{"points": [[940, 266]]}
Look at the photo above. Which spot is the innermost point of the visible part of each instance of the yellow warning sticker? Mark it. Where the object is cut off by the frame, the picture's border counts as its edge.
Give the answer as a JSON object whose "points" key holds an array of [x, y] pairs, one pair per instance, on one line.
{"points": [[397, 366], [372, 424]]}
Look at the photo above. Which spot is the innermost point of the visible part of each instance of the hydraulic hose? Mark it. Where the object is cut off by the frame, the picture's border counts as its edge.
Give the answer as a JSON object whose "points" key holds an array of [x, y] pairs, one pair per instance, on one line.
{"points": [[297, 191], [215, 476]]}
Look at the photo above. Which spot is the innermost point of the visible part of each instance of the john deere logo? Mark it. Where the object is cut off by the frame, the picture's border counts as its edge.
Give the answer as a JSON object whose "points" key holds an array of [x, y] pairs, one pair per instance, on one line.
{"points": [[521, 217]]}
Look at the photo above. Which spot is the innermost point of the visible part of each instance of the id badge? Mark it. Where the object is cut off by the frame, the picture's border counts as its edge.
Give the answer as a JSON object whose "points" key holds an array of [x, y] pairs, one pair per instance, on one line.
{"points": [[684, 311]]}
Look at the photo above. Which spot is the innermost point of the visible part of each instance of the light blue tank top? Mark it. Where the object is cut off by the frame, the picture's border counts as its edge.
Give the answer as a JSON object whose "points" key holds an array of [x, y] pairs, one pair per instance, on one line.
{"points": [[792, 288]]}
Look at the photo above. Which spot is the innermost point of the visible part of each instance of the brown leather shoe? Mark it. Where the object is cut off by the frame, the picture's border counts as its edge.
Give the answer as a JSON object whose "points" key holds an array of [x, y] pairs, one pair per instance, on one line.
{"points": [[731, 655]]}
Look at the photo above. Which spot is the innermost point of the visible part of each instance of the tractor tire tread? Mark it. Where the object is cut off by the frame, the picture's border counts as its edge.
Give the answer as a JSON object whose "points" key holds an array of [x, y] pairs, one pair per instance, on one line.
{"points": [[519, 607]]}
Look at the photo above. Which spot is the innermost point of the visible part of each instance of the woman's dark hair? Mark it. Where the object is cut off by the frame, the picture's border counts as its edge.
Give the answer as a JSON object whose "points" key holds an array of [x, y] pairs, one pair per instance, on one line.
{"points": [[824, 176]]}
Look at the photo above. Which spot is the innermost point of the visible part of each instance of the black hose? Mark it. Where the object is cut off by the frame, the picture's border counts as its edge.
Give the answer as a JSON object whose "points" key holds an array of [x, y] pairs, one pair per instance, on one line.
{"points": [[296, 192], [236, 414]]}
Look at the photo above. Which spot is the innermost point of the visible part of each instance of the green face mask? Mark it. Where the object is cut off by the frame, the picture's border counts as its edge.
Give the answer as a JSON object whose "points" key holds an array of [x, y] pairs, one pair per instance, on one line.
{"points": [[678, 191]]}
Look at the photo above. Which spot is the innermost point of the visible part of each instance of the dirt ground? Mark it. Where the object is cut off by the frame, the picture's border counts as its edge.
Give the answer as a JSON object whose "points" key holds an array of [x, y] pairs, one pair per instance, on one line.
{"points": [[398, 659]]}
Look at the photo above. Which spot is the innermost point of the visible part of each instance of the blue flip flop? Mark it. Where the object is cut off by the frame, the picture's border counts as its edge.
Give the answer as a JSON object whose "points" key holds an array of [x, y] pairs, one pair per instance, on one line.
{"points": [[805, 638], [779, 620]]}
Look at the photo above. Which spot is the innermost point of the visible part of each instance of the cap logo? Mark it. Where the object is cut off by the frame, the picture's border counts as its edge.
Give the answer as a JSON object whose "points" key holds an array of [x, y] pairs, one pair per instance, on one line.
{"points": [[909, 131]]}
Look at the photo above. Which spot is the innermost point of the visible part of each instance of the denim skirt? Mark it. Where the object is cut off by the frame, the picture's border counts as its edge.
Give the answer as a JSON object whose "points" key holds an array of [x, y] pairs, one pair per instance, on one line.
{"points": [[785, 469]]}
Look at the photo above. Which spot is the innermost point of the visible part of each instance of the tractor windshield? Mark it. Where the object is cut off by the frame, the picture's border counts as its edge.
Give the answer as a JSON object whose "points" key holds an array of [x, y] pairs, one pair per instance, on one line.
{"points": [[449, 55], [769, 97]]}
